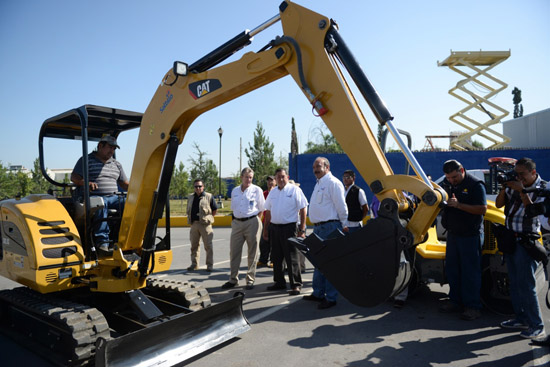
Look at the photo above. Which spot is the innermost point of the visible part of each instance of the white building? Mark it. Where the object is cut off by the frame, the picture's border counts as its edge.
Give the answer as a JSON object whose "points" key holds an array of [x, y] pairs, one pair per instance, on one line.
{"points": [[60, 174], [529, 131]]}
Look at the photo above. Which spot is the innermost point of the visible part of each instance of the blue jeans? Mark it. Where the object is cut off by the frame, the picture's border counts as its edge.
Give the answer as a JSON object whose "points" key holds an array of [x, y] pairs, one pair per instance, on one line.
{"points": [[321, 286], [101, 233], [523, 287], [463, 269]]}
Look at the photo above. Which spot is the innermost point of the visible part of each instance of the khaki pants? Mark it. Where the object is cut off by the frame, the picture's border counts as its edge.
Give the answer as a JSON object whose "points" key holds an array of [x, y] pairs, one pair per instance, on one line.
{"points": [[197, 231], [249, 231]]}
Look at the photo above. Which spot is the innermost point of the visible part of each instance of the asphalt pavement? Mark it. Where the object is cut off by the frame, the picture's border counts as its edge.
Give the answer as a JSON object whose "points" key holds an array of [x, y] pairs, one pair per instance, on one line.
{"points": [[288, 331]]}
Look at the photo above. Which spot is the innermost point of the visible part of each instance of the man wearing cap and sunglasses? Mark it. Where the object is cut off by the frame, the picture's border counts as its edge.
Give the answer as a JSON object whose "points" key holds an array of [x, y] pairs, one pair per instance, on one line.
{"points": [[105, 176], [201, 209]]}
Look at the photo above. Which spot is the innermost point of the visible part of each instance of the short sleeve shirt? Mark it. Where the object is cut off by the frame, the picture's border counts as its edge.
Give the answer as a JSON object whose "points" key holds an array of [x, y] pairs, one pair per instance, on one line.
{"points": [[107, 175], [285, 204], [247, 203]]}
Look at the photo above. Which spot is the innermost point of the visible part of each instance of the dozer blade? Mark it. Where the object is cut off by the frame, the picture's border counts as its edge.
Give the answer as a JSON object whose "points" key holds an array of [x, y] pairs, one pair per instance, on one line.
{"points": [[365, 266], [177, 340]]}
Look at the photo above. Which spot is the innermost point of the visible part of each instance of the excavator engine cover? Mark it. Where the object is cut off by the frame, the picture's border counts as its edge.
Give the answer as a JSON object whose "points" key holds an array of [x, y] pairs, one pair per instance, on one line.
{"points": [[364, 266]]}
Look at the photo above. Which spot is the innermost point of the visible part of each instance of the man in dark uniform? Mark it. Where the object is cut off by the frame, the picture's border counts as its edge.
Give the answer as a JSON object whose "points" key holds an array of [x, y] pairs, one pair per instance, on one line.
{"points": [[463, 219]]}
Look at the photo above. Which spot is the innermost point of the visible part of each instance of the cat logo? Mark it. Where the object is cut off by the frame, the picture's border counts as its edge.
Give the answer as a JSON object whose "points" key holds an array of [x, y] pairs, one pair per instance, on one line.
{"points": [[203, 87]]}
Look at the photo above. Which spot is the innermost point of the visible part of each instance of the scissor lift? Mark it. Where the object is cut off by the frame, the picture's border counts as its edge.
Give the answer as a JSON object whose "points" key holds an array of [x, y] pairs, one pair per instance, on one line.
{"points": [[474, 66]]}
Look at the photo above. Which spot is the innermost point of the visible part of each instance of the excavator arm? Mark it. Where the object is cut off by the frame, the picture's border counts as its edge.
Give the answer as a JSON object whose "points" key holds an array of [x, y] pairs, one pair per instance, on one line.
{"points": [[312, 51]]}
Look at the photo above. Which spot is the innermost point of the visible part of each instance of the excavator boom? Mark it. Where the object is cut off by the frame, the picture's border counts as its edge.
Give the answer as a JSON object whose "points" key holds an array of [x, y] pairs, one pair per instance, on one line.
{"points": [[314, 54], [54, 255]]}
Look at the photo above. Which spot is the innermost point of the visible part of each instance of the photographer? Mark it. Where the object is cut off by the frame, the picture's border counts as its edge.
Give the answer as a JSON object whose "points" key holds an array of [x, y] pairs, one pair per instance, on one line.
{"points": [[521, 265]]}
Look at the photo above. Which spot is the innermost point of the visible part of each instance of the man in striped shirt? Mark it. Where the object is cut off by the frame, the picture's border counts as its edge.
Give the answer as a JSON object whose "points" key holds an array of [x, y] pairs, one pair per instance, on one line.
{"points": [[515, 197], [105, 176]]}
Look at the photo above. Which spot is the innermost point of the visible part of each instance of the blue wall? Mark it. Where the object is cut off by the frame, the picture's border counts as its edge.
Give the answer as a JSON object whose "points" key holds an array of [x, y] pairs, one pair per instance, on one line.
{"points": [[300, 168]]}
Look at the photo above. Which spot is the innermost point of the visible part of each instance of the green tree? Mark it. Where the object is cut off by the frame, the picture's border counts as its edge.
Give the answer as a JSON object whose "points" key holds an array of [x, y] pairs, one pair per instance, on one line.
{"points": [[22, 184], [477, 144], [380, 133], [13, 183], [206, 170], [5, 182], [325, 142], [38, 183], [179, 185], [293, 140], [260, 156]]}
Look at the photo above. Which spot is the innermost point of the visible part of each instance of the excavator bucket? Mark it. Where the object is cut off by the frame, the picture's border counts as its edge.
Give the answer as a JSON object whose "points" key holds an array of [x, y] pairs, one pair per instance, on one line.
{"points": [[366, 266], [176, 340]]}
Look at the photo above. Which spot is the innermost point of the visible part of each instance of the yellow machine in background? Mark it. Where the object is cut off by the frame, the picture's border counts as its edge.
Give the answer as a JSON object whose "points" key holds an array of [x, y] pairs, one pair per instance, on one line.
{"points": [[112, 308], [474, 66]]}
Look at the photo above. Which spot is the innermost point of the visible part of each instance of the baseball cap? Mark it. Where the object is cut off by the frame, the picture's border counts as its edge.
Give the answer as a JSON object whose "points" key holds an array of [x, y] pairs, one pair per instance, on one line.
{"points": [[270, 178], [109, 140]]}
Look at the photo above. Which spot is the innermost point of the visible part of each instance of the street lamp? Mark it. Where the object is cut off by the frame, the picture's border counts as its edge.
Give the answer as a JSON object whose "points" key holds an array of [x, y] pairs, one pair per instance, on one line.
{"points": [[220, 132]]}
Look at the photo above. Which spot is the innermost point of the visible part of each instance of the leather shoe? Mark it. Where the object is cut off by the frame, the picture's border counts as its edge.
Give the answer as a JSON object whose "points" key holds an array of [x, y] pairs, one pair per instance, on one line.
{"points": [[326, 304], [311, 297], [276, 287], [228, 285], [295, 291], [249, 287], [192, 268]]}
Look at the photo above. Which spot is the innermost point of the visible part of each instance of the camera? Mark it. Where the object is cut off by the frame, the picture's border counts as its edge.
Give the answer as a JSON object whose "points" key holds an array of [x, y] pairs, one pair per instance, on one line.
{"points": [[536, 209], [506, 175], [501, 171]]}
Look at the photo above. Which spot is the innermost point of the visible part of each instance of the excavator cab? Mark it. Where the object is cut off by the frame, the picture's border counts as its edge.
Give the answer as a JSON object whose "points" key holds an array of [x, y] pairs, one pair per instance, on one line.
{"points": [[87, 123], [129, 315]]}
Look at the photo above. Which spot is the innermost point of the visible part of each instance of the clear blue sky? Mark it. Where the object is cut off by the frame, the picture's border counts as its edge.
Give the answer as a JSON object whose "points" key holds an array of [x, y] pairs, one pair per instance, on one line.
{"points": [[61, 54]]}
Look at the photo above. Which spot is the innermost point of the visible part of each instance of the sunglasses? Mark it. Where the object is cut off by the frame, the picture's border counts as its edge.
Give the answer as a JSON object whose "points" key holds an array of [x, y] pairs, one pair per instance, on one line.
{"points": [[198, 187]]}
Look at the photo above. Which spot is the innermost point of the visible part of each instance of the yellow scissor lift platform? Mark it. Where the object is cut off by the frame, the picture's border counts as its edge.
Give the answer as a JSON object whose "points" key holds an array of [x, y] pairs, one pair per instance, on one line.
{"points": [[474, 66]]}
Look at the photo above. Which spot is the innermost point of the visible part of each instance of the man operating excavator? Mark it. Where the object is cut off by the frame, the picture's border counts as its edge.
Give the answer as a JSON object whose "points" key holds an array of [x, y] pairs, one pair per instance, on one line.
{"points": [[105, 176]]}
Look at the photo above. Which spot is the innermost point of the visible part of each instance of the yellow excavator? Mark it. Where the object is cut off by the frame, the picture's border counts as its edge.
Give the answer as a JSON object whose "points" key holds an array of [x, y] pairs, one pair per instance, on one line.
{"points": [[111, 309]]}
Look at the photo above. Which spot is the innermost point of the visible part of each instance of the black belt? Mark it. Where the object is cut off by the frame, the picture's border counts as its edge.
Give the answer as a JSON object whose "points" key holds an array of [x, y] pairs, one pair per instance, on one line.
{"points": [[243, 219], [283, 225], [326, 221]]}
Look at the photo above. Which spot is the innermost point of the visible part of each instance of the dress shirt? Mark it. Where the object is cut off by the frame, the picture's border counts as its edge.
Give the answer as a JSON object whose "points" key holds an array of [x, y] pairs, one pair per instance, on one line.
{"points": [[285, 204], [362, 201], [247, 203], [327, 201]]}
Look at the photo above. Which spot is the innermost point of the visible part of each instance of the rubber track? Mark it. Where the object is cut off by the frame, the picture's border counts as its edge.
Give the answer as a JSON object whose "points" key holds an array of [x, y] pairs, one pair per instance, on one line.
{"points": [[190, 295], [82, 324]]}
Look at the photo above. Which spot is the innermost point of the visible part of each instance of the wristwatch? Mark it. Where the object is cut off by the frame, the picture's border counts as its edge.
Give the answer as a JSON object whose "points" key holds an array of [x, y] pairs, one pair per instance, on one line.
{"points": [[301, 230]]}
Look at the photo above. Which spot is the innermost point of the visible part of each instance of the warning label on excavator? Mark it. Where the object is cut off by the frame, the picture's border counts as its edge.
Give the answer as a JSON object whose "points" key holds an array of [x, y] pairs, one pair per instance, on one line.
{"points": [[203, 87]]}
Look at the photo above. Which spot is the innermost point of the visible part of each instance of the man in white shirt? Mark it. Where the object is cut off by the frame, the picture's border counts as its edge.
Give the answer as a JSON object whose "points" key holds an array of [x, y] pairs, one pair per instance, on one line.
{"points": [[356, 201], [247, 204], [327, 212], [285, 206]]}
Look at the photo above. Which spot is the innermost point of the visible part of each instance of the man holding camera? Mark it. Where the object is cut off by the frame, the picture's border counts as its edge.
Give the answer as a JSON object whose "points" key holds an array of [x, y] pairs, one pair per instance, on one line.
{"points": [[516, 196]]}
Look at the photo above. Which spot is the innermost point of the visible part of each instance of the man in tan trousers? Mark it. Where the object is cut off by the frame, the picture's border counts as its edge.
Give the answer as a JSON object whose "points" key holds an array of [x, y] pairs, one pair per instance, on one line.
{"points": [[201, 209], [247, 204]]}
